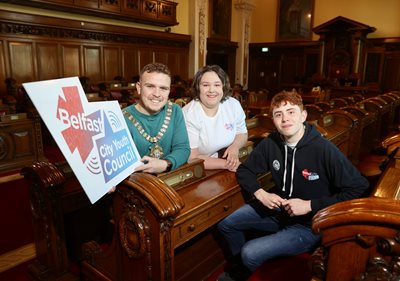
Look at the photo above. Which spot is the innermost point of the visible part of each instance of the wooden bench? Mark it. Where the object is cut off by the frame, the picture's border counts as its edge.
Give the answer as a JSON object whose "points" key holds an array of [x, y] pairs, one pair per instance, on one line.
{"points": [[362, 138], [382, 110], [259, 127], [360, 238], [335, 125], [394, 101]]}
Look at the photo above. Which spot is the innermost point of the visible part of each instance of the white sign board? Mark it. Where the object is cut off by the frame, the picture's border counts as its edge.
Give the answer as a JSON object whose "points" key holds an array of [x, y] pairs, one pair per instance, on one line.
{"points": [[92, 136]]}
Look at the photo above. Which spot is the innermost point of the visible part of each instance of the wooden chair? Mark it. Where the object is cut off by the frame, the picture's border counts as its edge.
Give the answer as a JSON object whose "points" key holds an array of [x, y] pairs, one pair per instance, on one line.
{"points": [[371, 165], [358, 97], [257, 103], [338, 102], [362, 137], [325, 106], [259, 127], [314, 112]]}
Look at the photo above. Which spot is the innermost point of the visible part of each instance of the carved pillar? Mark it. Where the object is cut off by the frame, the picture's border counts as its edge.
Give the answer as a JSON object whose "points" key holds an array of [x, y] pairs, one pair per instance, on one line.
{"points": [[244, 7], [198, 22], [357, 46]]}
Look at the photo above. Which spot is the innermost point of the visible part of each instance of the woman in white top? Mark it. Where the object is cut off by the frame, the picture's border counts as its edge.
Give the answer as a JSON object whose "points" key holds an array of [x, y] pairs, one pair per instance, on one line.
{"points": [[215, 120]]}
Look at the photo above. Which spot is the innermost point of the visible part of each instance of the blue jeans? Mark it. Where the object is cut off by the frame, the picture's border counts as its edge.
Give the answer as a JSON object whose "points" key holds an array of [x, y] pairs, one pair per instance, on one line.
{"points": [[283, 238]]}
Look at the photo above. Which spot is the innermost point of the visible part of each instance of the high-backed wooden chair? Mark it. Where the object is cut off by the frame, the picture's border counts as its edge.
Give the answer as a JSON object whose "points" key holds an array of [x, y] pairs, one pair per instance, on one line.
{"points": [[314, 112], [394, 117], [325, 106], [338, 102], [362, 140], [257, 103]]}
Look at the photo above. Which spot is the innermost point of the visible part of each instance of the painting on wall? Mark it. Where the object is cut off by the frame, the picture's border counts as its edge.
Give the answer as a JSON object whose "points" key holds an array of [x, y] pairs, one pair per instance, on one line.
{"points": [[220, 18], [295, 19]]}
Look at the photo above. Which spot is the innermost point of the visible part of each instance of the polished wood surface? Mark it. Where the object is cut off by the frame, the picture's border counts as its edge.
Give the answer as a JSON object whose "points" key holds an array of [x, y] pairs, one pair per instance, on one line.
{"points": [[359, 237], [156, 228], [20, 143], [178, 218]]}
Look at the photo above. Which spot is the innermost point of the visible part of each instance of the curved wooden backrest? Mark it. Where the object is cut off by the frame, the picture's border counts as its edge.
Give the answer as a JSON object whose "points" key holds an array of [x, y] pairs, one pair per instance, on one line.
{"points": [[361, 238]]}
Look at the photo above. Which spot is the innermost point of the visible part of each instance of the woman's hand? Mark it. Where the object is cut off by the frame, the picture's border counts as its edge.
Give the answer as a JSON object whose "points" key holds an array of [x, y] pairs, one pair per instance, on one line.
{"points": [[232, 167], [231, 155]]}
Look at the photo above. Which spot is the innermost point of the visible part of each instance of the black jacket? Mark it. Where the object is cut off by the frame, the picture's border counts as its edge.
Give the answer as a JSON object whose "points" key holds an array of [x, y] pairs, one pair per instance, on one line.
{"points": [[321, 172]]}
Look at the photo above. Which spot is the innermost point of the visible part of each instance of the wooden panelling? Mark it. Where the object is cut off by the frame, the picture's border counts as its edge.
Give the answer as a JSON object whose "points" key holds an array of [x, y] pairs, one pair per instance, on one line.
{"points": [[92, 59], [130, 62], [22, 61], [40, 48], [161, 57], [391, 78], [71, 60], [145, 56], [173, 62], [48, 61], [111, 60]]}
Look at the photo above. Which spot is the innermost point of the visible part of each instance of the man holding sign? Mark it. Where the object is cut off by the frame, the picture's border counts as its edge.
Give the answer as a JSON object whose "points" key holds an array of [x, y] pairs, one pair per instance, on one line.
{"points": [[156, 124]]}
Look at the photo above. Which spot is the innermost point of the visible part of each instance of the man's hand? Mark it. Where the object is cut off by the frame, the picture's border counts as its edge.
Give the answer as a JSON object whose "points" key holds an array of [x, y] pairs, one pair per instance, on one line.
{"points": [[297, 207], [152, 165], [270, 200]]}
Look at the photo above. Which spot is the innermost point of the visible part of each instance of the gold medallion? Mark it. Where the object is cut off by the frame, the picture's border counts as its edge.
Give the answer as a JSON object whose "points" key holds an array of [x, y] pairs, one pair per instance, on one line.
{"points": [[156, 151]]}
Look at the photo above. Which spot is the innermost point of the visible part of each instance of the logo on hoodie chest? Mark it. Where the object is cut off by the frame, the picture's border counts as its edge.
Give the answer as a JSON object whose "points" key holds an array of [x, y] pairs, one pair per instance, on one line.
{"points": [[311, 176], [276, 165]]}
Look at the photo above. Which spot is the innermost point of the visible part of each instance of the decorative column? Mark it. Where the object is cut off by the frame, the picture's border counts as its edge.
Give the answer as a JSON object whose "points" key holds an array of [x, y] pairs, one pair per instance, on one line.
{"points": [[356, 51], [198, 25], [244, 7]]}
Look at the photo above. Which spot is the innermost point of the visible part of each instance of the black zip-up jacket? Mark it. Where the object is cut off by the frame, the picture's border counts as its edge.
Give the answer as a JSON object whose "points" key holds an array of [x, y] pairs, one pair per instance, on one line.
{"points": [[318, 170]]}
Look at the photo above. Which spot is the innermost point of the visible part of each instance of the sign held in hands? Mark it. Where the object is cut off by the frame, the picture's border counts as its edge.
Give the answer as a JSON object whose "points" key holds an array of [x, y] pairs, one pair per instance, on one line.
{"points": [[92, 136]]}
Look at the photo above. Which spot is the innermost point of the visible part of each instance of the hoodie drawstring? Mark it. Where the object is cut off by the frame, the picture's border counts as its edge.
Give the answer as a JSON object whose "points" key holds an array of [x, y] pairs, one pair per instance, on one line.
{"points": [[291, 172], [291, 178], [284, 172]]}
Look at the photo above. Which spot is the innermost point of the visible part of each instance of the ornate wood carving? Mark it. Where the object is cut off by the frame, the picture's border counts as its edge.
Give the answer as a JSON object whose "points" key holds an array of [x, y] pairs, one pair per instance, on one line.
{"points": [[20, 143], [154, 12], [56, 32], [134, 229], [385, 265], [360, 237], [54, 48]]}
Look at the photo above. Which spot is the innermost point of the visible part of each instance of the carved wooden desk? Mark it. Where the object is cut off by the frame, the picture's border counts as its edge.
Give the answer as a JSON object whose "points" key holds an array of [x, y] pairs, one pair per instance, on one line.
{"points": [[162, 233], [159, 231]]}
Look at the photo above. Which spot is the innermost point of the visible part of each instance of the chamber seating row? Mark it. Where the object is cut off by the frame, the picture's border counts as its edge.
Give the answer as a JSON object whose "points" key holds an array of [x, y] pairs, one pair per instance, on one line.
{"points": [[151, 228], [356, 127]]}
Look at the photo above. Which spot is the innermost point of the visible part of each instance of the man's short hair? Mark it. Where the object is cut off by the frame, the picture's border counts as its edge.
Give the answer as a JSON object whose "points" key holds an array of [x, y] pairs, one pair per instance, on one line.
{"points": [[285, 97], [155, 67]]}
